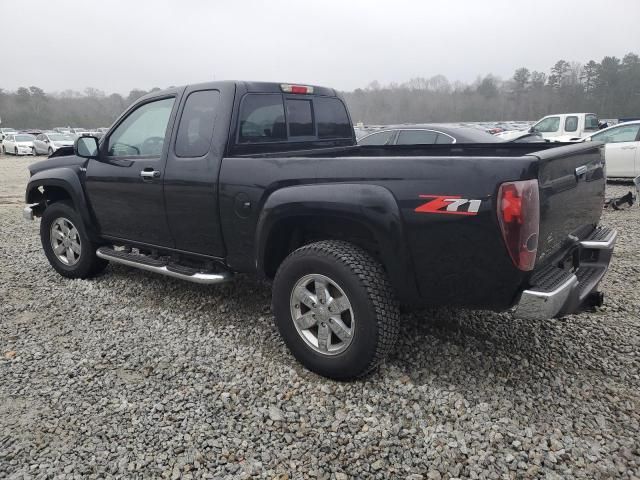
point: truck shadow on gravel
(432, 342)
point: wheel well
(292, 233)
(47, 194)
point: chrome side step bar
(158, 266)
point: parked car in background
(426, 134)
(79, 132)
(6, 131)
(622, 148)
(562, 127)
(97, 132)
(18, 144)
(439, 134)
(47, 143)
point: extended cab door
(193, 166)
(124, 184)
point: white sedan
(622, 149)
(18, 144)
(47, 143)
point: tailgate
(572, 184)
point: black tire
(369, 292)
(88, 264)
(15, 151)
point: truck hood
(57, 162)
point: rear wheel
(335, 309)
(15, 151)
(66, 244)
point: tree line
(610, 88)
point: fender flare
(371, 206)
(67, 179)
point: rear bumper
(557, 292)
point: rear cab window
(266, 118)
(262, 119)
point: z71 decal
(449, 204)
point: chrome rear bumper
(558, 292)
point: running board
(159, 266)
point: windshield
(59, 137)
(24, 138)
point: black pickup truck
(202, 181)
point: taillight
(285, 87)
(519, 218)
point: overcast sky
(118, 45)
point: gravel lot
(133, 375)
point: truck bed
(441, 246)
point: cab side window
(417, 137)
(571, 124)
(380, 138)
(591, 122)
(623, 133)
(196, 124)
(548, 125)
(143, 133)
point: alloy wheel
(65, 241)
(322, 314)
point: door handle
(630, 147)
(149, 174)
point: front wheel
(66, 244)
(335, 309)
(50, 151)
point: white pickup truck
(562, 127)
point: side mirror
(86, 147)
(532, 130)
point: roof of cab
(247, 86)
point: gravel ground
(132, 375)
